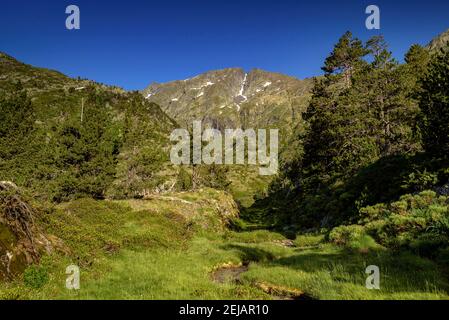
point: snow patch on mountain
(242, 88)
(207, 84)
(152, 93)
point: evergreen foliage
(434, 104)
(362, 139)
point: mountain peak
(5, 57)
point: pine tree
(332, 123)
(383, 90)
(417, 59)
(434, 105)
(345, 57)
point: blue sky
(133, 43)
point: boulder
(21, 241)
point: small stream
(232, 274)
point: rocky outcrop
(439, 42)
(21, 241)
(208, 209)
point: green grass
(257, 236)
(140, 253)
(334, 273)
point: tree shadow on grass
(399, 271)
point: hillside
(63, 137)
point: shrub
(343, 235)
(35, 276)
(417, 222)
(352, 237)
(420, 180)
(184, 180)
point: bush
(184, 180)
(35, 277)
(343, 235)
(420, 180)
(353, 237)
(384, 181)
(416, 222)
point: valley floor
(127, 250)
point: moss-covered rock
(21, 241)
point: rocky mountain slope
(439, 42)
(231, 98)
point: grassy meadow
(157, 249)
